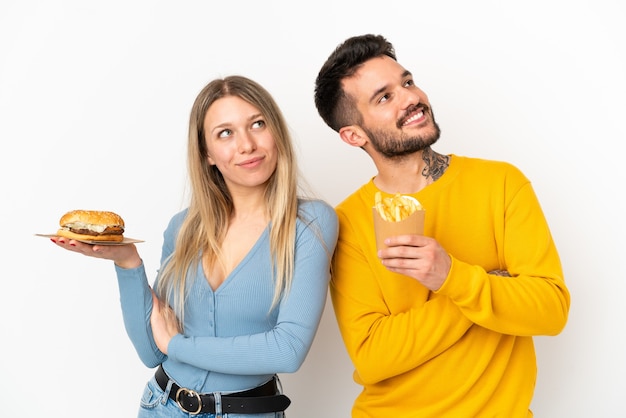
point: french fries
(396, 208)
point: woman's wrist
(128, 264)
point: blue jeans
(155, 403)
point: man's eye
(383, 98)
(409, 83)
(225, 133)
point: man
(438, 325)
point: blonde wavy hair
(211, 205)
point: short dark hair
(332, 102)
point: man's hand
(417, 256)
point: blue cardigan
(232, 341)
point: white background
(94, 102)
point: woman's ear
(210, 160)
(353, 135)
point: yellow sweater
(466, 350)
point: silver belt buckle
(192, 394)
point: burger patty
(113, 230)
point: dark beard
(391, 147)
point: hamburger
(92, 225)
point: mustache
(425, 108)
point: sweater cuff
(174, 346)
(448, 286)
(126, 277)
(463, 283)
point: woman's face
(239, 143)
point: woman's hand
(164, 323)
(125, 256)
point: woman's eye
(225, 133)
(258, 124)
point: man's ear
(353, 135)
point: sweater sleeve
(382, 339)
(136, 301)
(535, 300)
(284, 347)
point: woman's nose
(246, 142)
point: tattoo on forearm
(436, 164)
(503, 273)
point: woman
(244, 269)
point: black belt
(262, 399)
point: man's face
(397, 116)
